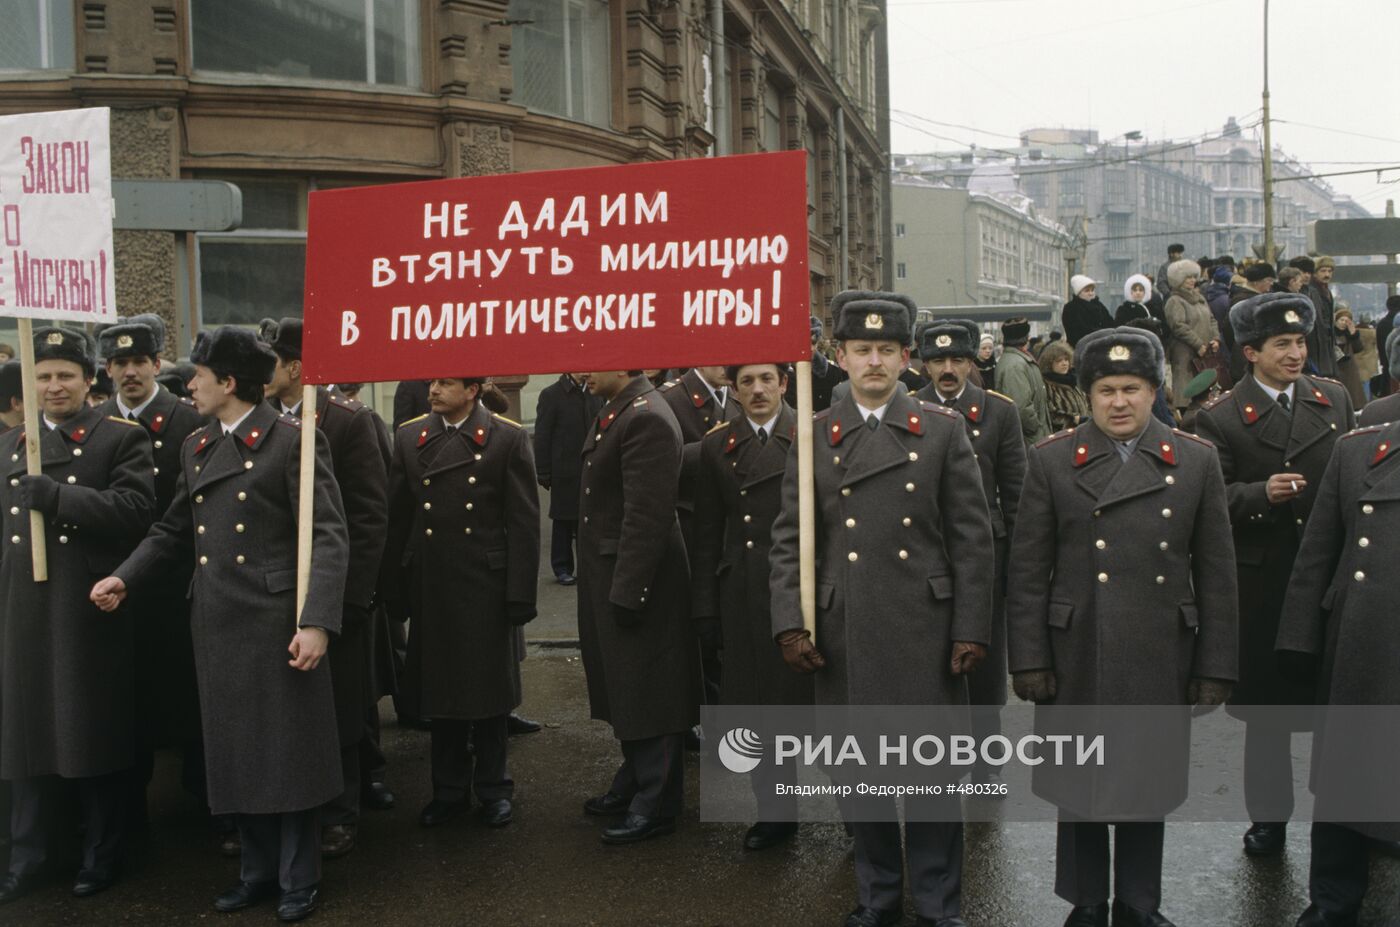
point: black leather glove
(38, 492)
(708, 630)
(1297, 666)
(520, 613)
(1207, 692)
(1034, 685)
(626, 617)
(799, 652)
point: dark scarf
(1064, 379)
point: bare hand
(1214, 345)
(967, 657)
(307, 648)
(1284, 486)
(108, 593)
(1201, 351)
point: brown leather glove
(1034, 685)
(1202, 691)
(799, 652)
(967, 657)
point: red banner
(664, 264)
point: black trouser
(1268, 772)
(1082, 862)
(283, 848)
(372, 762)
(103, 803)
(344, 809)
(1338, 871)
(934, 850)
(561, 546)
(652, 775)
(470, 753)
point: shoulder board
(938, 407)
(1326, 379)
(1197, 438)
(414, 421)
(819, 415)
(185, 400)
(1055, 437)
(114, 418)
(719, 427)
(509, 421)
(1216, 401)
(289, 421)
(197, 431)
(669, 384)
(1368, 430)
(1001, 396)
(339, 400)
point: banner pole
(306, 509)
(32, 446)
(806, 501)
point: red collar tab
(203, 442)
(77, 435)
(478, 436)
(732, 443)
(423, 436)
(834, 434)
(1081, 454)
(974, 413)
(1382, 451)
(1321, 397)
(1168, 453)
(916, 423)
(698, 399)
(251, 438)
(607, 420)
(1250, 413)
(158, 424)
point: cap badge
(55, 338)
(943, 341)
(124, 341)
(1291, 317)
(875, 321)
(1119, 352)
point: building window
(259, 270)
(560, 57)
(773, 118)
(900, 271)
(899, 230)
(38, 35)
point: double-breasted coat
(562, 421)
(1254, 439)
(1124, 584)
(904, 554)
(66, 669)
(1340, 607)
(464, 545)
(994, 428)
(643, 677)
(270, 741)
(696, 412)
(351, 434)
(739, 494)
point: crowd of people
(1183, 494)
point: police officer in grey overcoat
(905, 566)
(948, 349)
(738, 495)
(1338, 635)
(638, 642)
(1274, 433)
(66, 671)
(464, 549)
(1124, 594)
(264, 686)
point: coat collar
(633, 393)
(867, 452)
(1383, 464)
(697, 389)
(755, 462)
(972, 403)
(1097, 469)
(155, 416)
(904, 413)
(441, 448)
(219, 456)
(56, 445)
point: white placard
(56, 216)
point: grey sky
(1169, 70)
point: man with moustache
(1274, 433)
(905, 566)
(738, 495)
(948, 349)
(635, 632)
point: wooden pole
(306, 503)
(32, 446)
(806, 501)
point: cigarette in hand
(1293, 485)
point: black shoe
(873, 917)
(1265, 839)
(1125, 915)
(954, 921)
(496, 813)
(293, 906)
(566, 579)
(337, 840)
(377, 796)
(1316, 917)
(638, 827)
(518, 725)
(15, 886)
(606, 804)
(438, 812)
(1088, 915)
(90, 882)
(767, 834)
(244, 895)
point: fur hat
(1259, 318)
(948, 338)
(1325, 261)
(1015, 331)
(52, 343)
(1305, 264)
(11, 383)
(1260, 270)
(873, 316)
(284, 337)
(1392, 353)
(1079, 282)
(1123, 351)
(137, 335)
(235, 352)
(1178, 271)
